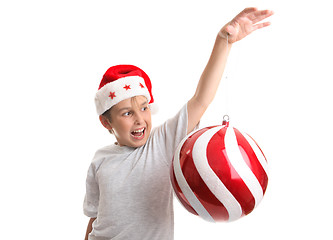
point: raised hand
(245, 23)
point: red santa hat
(119, 83)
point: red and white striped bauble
(219, 173)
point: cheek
(148, 116)
(122, 126)
(149, 119)
(149, 125)
(118, 132)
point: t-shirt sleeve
(169, 134)
(91, 200)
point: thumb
(225, 31)
(229, 31)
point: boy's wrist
(224, 38)
(223, 34)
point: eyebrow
(144, 103)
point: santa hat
(119, 83)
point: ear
(105, 122)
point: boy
(129, 195)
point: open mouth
(138, 134)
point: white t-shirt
(129, 189)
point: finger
(261, 25)
(260, 15)
(246, 11)
(249, 10)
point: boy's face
(130, 121)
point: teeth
(139, 131)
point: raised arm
(242, 25)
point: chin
(141, 143)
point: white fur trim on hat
(123, 88)
(153, 108)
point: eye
(127, 114)
(144, 108)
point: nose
(138, 118)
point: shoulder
(172, 129)
(108, 153)
(102, 153)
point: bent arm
(89, 227)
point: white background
(54, 53)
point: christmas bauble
(219, 173)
